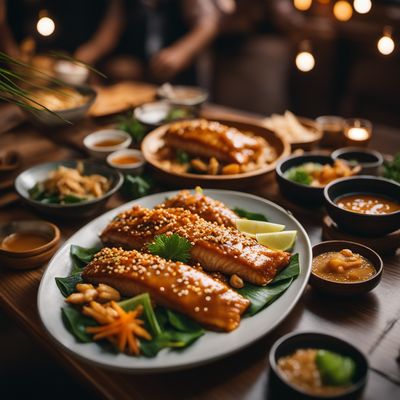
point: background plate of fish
(213, 345)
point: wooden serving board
(383, 245)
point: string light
(45, 25)
(362, 6)
(342, 10)
(385, 43)
(302, 5)
(305, 61)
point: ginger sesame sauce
(368, 204)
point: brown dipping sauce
(124, 160)
(368, 204)
(23, 241)
(108, 142)
(343, 266)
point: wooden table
(371, 322)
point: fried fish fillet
(208, 139)
(170, 284)
(215, 247)
(207, 208)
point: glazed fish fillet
(170, 284)
(216, 248)
(207, 208)
(208, 139)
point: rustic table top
(371, 322)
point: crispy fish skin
(209, 209)
(171, 284)
(208, 139)
(215, 247)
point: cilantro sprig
(171, 247)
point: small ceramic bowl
(30, 258)
(298, 193)
(160, 112)
(45, 229)
(362, 224)
(369, 160)
(183, 95)
(92, 142)
(71, 72)
(309, 144)
(120, 160)
(281, 388)
(347, 288)
(27, 179)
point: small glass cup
(357, 132)
(332, 128)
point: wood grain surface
(371, 322)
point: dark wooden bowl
(362, 224)
(281, 389)
(154, 141)
(304, 195)
(347, 288)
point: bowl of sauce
(27, 244)
(311, 365)
(344, 268)
(128, 161)
(364, 205)
(101, 143)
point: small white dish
(120, 160)
(70, 72)
(101, 143)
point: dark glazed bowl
(369, 160)
(362, 224)
(347, 288)
(302, 194)
(27, 179)
(288, 344)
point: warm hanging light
(45, 25)
(385, 43)
(302, 5)
(362, 6)
(305, 61)
(343, 10)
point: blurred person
(163, 38)
(86, 29)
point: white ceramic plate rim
(212, 345)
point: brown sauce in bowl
(23, 241)
(108, 142)
(344, 266)
(124, 160)
(368, 204)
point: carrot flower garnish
(120, 327)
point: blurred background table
(370, 322)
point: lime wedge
(251, 228)
(277, 240)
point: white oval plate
(209, 347)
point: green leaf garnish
(250, 215)
(335, 369)
(262, 296)
(77, 323)
(299, 175)
(171, 247)
(67, 285)
(137, 186)
(177, 113)
(132, 126)
(182, 157)
(392, 169)
(81, 256)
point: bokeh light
(45, 26)
(362, 6)
(342, 10)
(302, 5)
(305, 61)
